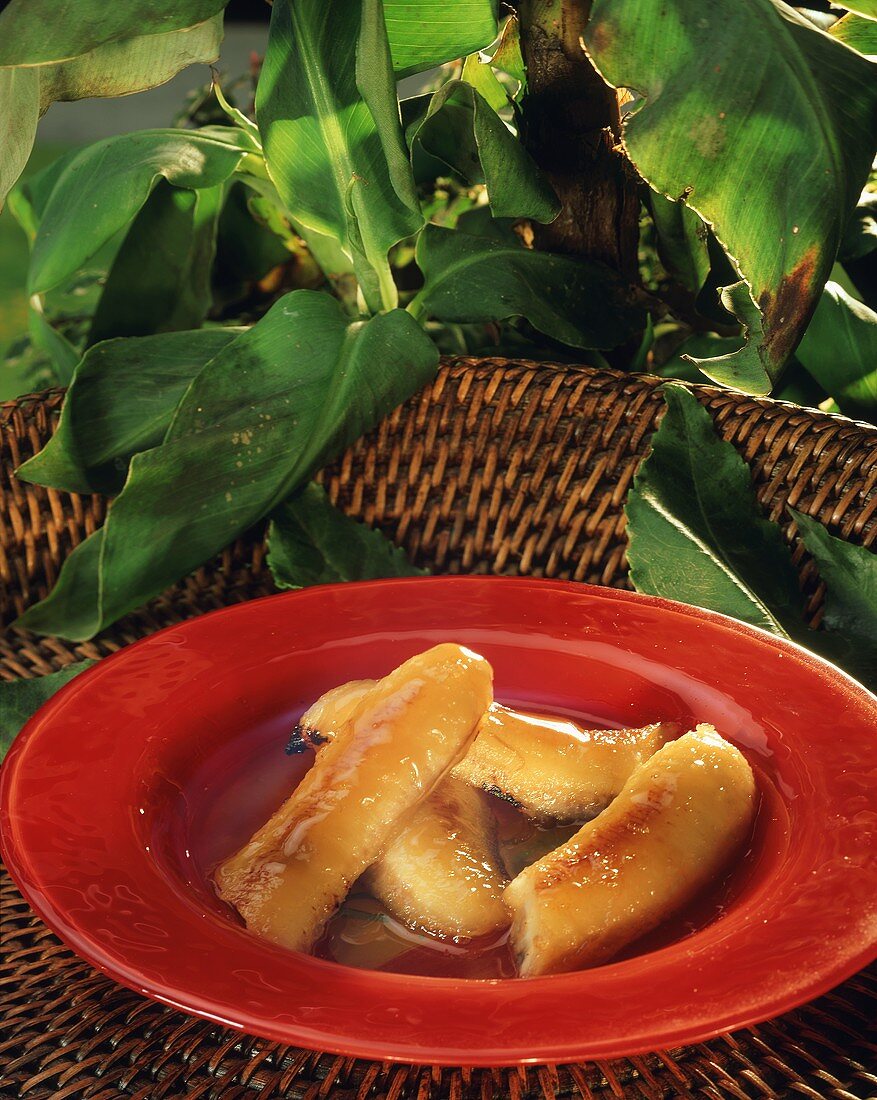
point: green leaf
(325, 250)
(160, 278)
(116, 68)
(133, 65)
(695, 530)
(377, 86)
(860, 235)
(868, 8)
(696, 535)
(682, 242)
(479, 73)
(857, 33)
(720, 368)
(840, 350)
(850, 575)
(19, 114)
(62, 353)
(446, 133)
(43, 32)
(463, 131)
(766, 127)
(796, 384)
(311, 542)
(325, 147)
(121, 401)
(234, 115)
(314, 382)
(469, 278)
(478, 222)
(426, 33)
(27, 200)
(21, 699)
(71, 609)
(507, 56)
(697, 348)
(103, 186)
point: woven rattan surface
(498, 467)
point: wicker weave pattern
(504, 467)
(71, 1033)
(498, 467)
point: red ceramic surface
(134, 777)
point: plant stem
(388, 289)
(416, 307)
(253, 164)
(572, 127)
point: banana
(322, 720)
(400, 740)
(445, 873)
(551, 769)
(677, 821)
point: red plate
(123, 785)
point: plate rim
(407, 1050)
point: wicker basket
(499, 466)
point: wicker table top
(498, 467)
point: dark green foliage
(236, 303)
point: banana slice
(679, 818)
(445, 874)
(323, 719)
(551, 769)
(401, 739)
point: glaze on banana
(551, 769)
(445, 873)
(399, 742)
(322, 720)
(678, 820)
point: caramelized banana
(445, 873)
(554, 770)
(551, 769)
(678, 820)
(322, 720)
(400, 740)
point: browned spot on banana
(676, 823)
(552, 769)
